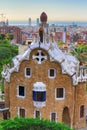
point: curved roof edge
(69, 63)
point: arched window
(81, 111)
(66, 116)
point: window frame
(51, 77)
(60, 98)
(39, 95)
(19, 111)
(28, 76)
(35, 114)
(56, 118)
(20, 96)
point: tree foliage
(60, 43)
(80, 52)
(7, 52)
(9, 36)
(2, 36)
(31, 124)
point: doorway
(66, 116)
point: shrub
(31, 124)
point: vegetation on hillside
(31, 124)
(7, 52)
(8, 36)
(80, 52)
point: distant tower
(7, 22)
(29, 21)
(2, 20)
(37, 21)
(64, 35)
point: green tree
(7, 52)
(2, 36)
(60, 43)
(9, 36)
(80, 52)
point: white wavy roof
(69, 63)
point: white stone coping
(68, 63)
(39, 86)
(3, 109)
(39, 104)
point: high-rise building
(37, 21)
(64, 35)
(29, 21)
(7, 22)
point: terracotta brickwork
(75, 96)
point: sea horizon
(59, 23)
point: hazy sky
(73, 10)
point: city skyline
(57, 10)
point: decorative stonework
(39, 86)
(69, 63)
(39, 104)
(39, 57)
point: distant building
(29, 21)
(16, 31)
(64, 35)
(59, 36)
(2, 24)
(82, 38)
(37, 21)
(7, 22)
(2, 20)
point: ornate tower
(43, 31)
(43, 18)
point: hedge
(31, 124)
